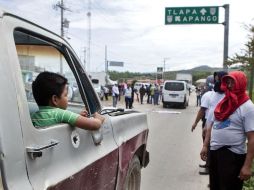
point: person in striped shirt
(50, 91)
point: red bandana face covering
(234, 97)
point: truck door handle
(36, 151)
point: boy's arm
(90, 123)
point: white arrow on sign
(203, 11)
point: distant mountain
(202, 68)
(197, 72)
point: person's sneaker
(203, 171)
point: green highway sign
(159, 69)
(192, 15)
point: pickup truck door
(59, 156)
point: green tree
(246, 58)
(200, 75)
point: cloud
(134, 31)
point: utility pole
(62, 12)
(64, 21)
(106, 60)
(226, 31)
(64, 24)
(164, 66)
(89, 36)
(106, 63)
(84, 64)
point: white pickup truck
(60, 156)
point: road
(174, 149)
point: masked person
(232, 124)
(202, 114)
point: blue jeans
(128, 102)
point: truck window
(174, 86)
(37, 55)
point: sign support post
(226, 31)
(200, 15)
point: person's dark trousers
(224, 169)
(119, 97)
(106, 96)
(203, 125)
(128, 103)
(131, 102)
(141, 98)
(148, 98)
(198, 100)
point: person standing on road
(148, 93)
(152, 94)
(230, 163)
(214, 99)
(128, 99)
(156, 94)
(205, 103)
(160, 97)
(198, 94)
(203, 113)
(132, 95)
(106, 91)
(142, 92)
(115, 94)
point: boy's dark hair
(46, 85)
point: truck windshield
(174, 86)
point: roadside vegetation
(245, 59)
(249, 185)
(168, 75)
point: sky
(135, 33)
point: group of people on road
(228, 117)
(128, 93)
(151, 92)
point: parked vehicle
(138, 85)
(184, 77)
(175, 93)
(60, 156)
(98, 88)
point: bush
(249, 185)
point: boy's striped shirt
(47, 116)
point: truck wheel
(133, 177)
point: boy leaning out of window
(50, 92)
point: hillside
(203, 68)
(197, 73)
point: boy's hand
(99, 117)
(84, 113)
